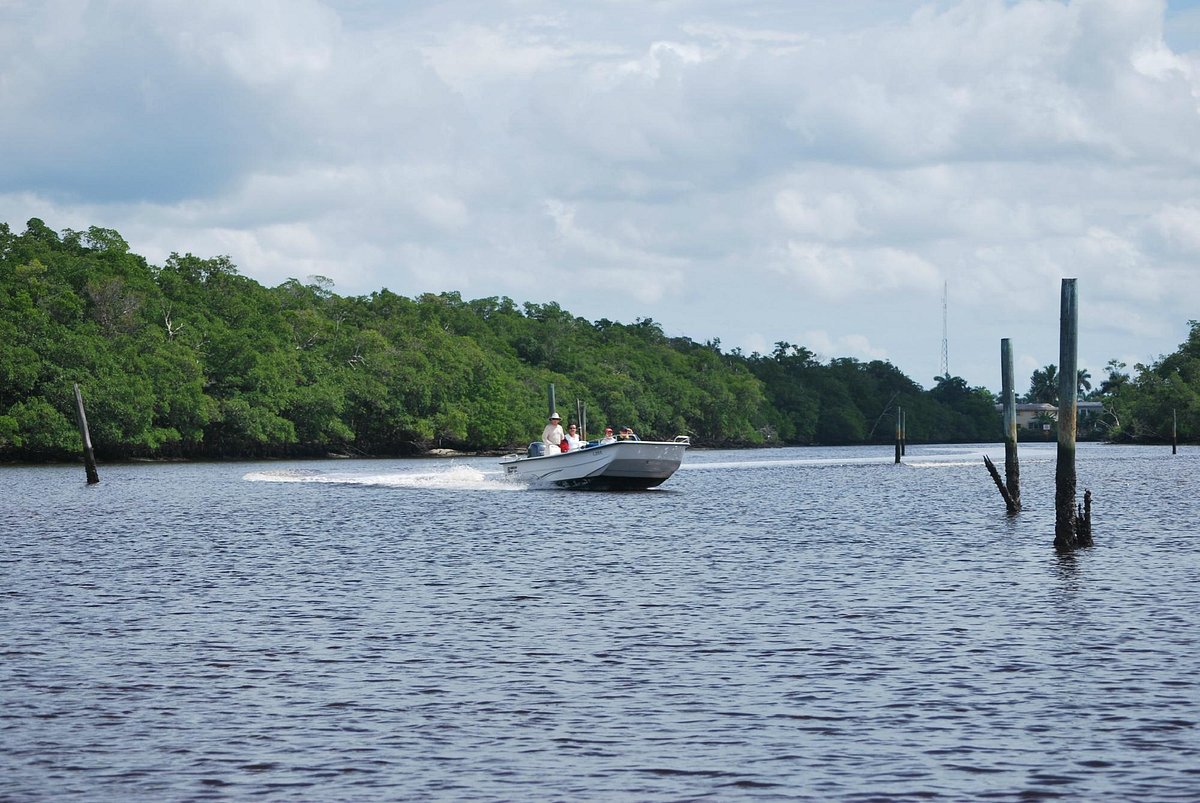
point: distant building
(1043, 416)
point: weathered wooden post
(899, 413)
(1084, 520)
(89, 458)
(1174, 432)
(1066, 530)
(1009, 488)
(1012, 468)
(1009, 502)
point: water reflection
(1067, 570)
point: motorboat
(619, 465)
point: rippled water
(793, 624)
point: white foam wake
(457, 478)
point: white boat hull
(624, 465)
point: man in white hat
(552, 435)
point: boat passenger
(552, 435)
(573, 437)
(626, 434)
(608, 436)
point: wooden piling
(1174, 432)
(903, 432)
(1065, 519)
(1012, 468)
(1009, 502)
(898, 414)
(1084, 520)
(89, 458)
(553, 406)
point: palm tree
(1043, 385)
(1117, 379)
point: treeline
(192, 359)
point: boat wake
(453, 478)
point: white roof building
(1040, 415)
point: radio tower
(945, 337)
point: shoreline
(446, 453)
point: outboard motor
(536, 449)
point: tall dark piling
(1066, 529)
(1012, 468)
(1174, 432)
(89, 458)
(903, 433)
(899, 414)
(550, 398)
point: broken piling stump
(89, 457)
(1009, 502)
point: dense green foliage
(1162, 396)
(847, 401)
(192, 359)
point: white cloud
(842, 273)
(1178, 226)
(475, 57)
(832, 217)
(827, 346)
(602, 261)
(264, 43)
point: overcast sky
(810, 172)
